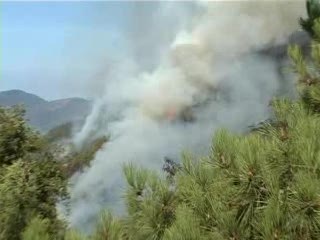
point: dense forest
(262, 185)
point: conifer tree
(313, 10)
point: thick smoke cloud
(210, 76)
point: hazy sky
(61, 49)
(47, 47)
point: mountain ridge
(43, 114)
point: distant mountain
(13, 97)
(45, 115)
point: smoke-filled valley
(191, 69)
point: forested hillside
(262, 185)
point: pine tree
(108, 228)
(74, 235)
(313, 10)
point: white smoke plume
(211, 77)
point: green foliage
(187, 227)
(74, 158)
(63, 131)
(28, 188)
(31, 181)
(313, 10)
(150, 202)
(108, 228)
(37, 229)
(308, 71)
(299, 64)
(74, 235)
(17, 139)
(78, 159)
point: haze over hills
(43, 114)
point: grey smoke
(211, 66)
(152, 27)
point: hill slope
(13, 97)
(44, 115)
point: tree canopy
(31, 181)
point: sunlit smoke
(210, 77)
